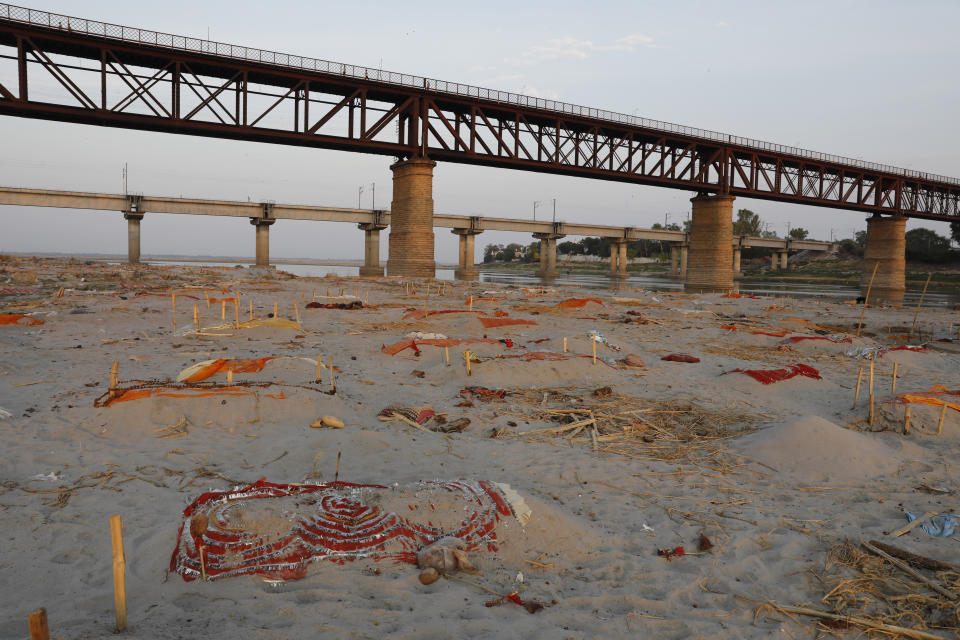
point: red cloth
(768, 376)
(680, 357)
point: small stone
(429, 576)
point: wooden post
(223, 311)
(471, 302)
(336, 472)
(446, 352)
(872, 359)
(196, 317)
(333, 387)
(114, 379)
(866, 300)
(229, 375)
(913, 327)
(319, 369)
(906, 420)
(856, 395)
(39, 630)
(466, 356)
(173, 300)
(893, 384)
(564, 344)
(366, 298)
(251, 309)
(943, 414)
(296, 312)
(871, 410)
(119, 569)
(236, 310)
(593, 339)
(276, 304)
(206, 297)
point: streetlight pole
(536, 203)
(554, 210)
(666, 217)
(373, 191)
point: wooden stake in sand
(114, 378)
(236, 310)
(333, 387)
(564, 344)
(296, 312)
(319, 369)
(206, 297)
(251, 309)
(119, 572)
(336, 472)
(871, 410)
(872, 359)
(196, 317)
(173, 301)
(276, 305)
(913, 327)
(223, 311)
(893, 384)
(594, 341)
(366, 298)
(471, 303)
(39, 630)
(856, 395)
(943, 414)
(906, 420)
(229, 375)
(446, 353)
(866, 300)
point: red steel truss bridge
(59, 67)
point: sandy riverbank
(774, 476)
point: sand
(772, 474)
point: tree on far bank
(955, 231)
(798, 233)
(927, 245)
(747, 224)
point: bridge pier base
(371, 249)
(781, 260)
(618, 258)
(263, 241)
(711, 245)
(736, 261)
(548, 254)
(133, 236)
(885, 251)
(411, 220)
(466, 269)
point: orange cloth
(224, 365)
(15, 318)
(576, 303)
(397, 347)
(489, 323)
(164, 392)
(934, 397)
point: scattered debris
(680, 357)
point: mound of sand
(812, 449)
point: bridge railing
(199, 45)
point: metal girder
(150, 86)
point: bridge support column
(618, 258)
(736, 261)
(780, 259)
(548, 254)
(674, 260)
(684, 256)
(411, 220)
(466, 269)
(263, 241)
(371, 249)
(886, 250)
(711, 245)
(133, 236)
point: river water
(942, 298)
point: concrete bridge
(263, 214)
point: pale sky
(865, 79)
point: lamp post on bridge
(537, 203)
(373, 192)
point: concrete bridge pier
(618, 258)
(678, 259)
(548, 254)
(133, 236)
(885, 250)
(736, 260)
(466, 269)
(371, 249)
(781, 260)
(711, 245)
(411, 220)
(263, 240)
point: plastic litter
(939, 526)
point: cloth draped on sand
(937, 396)
(489, 323)
(19, 318)
(576, 303)
(209, 368)
(768, 376)
(397, 347)
(276, 530)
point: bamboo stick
(467, 357)
(318, 379)
(333, 388)
(943, 414)
(336, 472)
(871, 410)
(203, 565)
(906, 420)
(229, 375)
(856, 395)
(276, 305)
(173, 300)
(206, 296)
(196, 317)
(223, 310)
(114, 378)
(903, 566)
(893, 384)
(446, 353)
(872, 360)
(471, 303)
(564, 344)
(866, 300)
(913, 327)
(236, 310)
(119, 572)
(39, 630)
(296, 312)
(594, 341)
(251, 309)
(863, 622)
